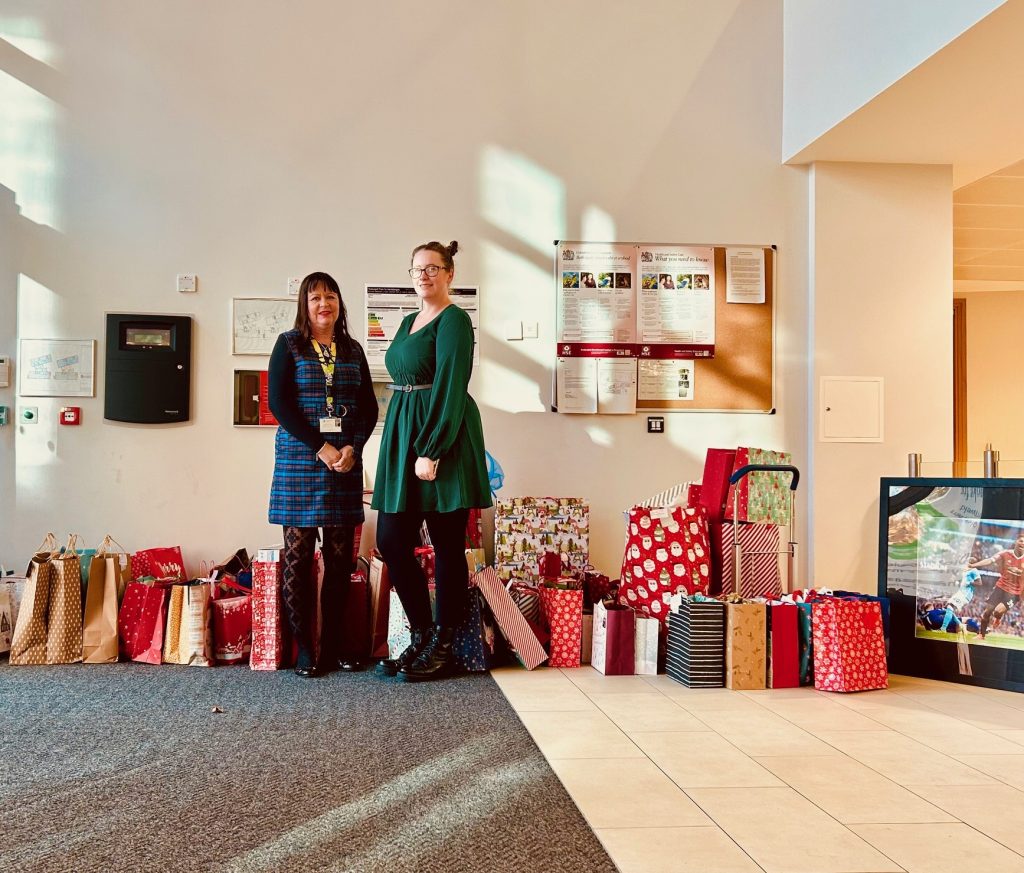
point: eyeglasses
(431, 270)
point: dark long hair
(342, 340)
(447, 252)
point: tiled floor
(923, 776)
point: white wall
(994, 412)
(248, 142)
(881, 278)
(841, 54)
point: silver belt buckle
(407, 389)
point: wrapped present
(141, 620)
(696, 643)
(425, 556)
(849, 646)
(268, 632)
(527, 527)
(596, 587)
(563, 612)
(760, 572)
(783, 645)
(614, 638)
(667, 551)
(745, 646)
(764, 497)
(160, 563)
(477, 645)
(509, 619)
(475, 560)
(645, 649)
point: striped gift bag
(510, 620)
(761, 576)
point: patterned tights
(298, 588)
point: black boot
(391, 666)
(436, 661)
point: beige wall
(248, 142)
(994, 411)
(881, 280)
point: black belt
(406, 389)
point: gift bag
(355, 617)
(380, 598)
(509, 619)
(161, 563)
(108, 575)
(527, 527)
(141, 620)
(14, 589)
(760, 572)
(477, 645)
(195, 644)
(6, 618)
(645, 649)
(667, 551)
(696, 643)
(425, 557)
(849, 647)
(28, 642)
(268, 632)
(399, 633)
(612, 650)
(232, 623)
(563, 612)
(714, 488)
(783, 645)
(806, 639)
(764, 497)
(475, 529)
(596, 587)
(745, 646)
(64, 621)
(587, 637)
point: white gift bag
(645, 650)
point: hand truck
(737, 548)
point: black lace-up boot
(436, 661)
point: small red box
(70, 415)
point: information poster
(665, 380)
(597, 303)
(387, 305)
(744, 275)
(677, 295)
(606, 386)
(57, 368)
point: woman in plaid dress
(322, 396)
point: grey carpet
(126, 767)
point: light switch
(530, 330)
(294, 284)
(513, 330)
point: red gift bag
(355, 618)
(425, 556)
(161, 563)
(475, 530)
(714, 489)
(563, 611)
(268, 633)
(783, 645)
(232, 623)
(667, 551)
(849, 645)
(613, 649)
(141, 619)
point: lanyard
(326, 357)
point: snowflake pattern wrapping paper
(563, 610)
(849, 647)
(667, 551)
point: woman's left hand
(347, 460)
(426, 469)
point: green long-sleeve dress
(441, 422)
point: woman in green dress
(432, 465)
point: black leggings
(298, 587)
(398, 535)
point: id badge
(330, 425)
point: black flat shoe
(307, 672)
(351, 665)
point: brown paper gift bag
(28, 645)
(64, 622)
(188, 639)
(109, 570)
(745, 646)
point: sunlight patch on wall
(521, 198)
(597, 225)
(37, 309)
(28, 150)
(26, 35)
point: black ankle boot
(391, 666)
(436, 661)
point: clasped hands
(426, 469)
(340, 460)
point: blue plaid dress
(304, 492)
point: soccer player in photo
(1010, 563)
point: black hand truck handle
(767, 468)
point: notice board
(694, 345)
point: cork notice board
(735, 374)
(740, 377)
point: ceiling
(988, 232)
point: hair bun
(453, 247)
